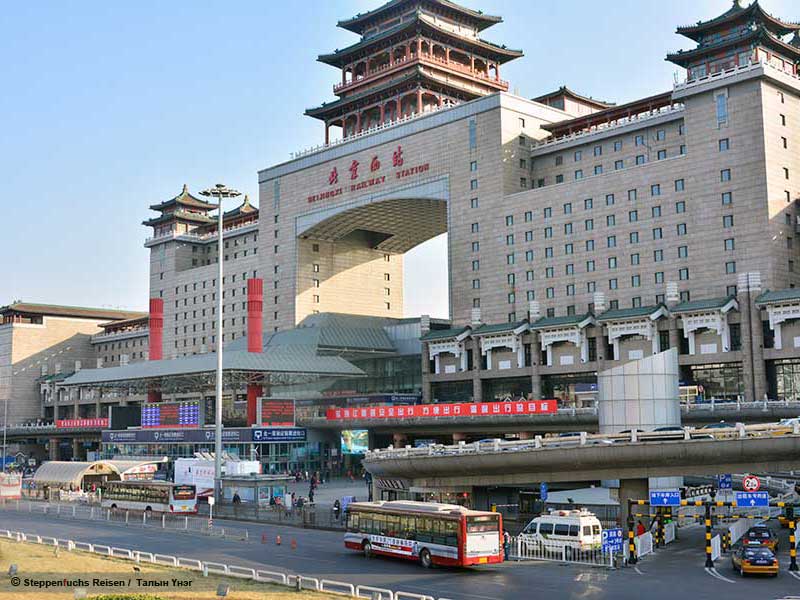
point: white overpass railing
(738, 431)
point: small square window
(724, 145)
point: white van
(559, 529)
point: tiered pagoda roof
(364, 21)
(739, 29)
(184, 199)
(752, 13)
(427, 47)
(339, 58)
(183, 207)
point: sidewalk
(326, 493)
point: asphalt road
(674, 573)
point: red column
(255, 331)
(419, 101)
(255, 314)
(383, 112)
(327, 134)
(358, 122)
(156, 339)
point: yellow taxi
(748, 560)
(760, 536)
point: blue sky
(108, 107)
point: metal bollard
(163, 521)
(126, 517)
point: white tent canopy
(59, 473)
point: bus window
(450, 530)
(424, 533)
(587, 530)
(482, 524)
(561, 529)
(545, 528)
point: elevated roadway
(592, 457)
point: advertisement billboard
(355, 441)
(276, 413)
(171, 414)
(440, 411)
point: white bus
(150, 496)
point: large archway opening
(378, 256)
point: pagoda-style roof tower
(183, 213)
(187, 214)
(414, 56)
(738, 36)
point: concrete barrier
(165, 559)
(214, 567)
(337, 587)
(367, 591)
(190, 563)
(271, 577)
(241, 572)
(122, 553)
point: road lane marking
(714, 573)
(637, 570)
(794, 574)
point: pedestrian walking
(640, 528)
(337, 507)
(506, 545)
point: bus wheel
(425, 558)
(367, 549)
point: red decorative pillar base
(253, 392)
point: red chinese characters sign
(361, 178)
(76, 423)
(463, 409)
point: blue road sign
(724, 482)
(665, 498)
(543, 491)
(752, 499)
(612, 540)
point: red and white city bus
(433, 534)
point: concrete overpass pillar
(753, 372)
(77, 449)
(399, 440)
(536, 377)
(53, 449)
(426, 371)
(631, 489)
(477, 384)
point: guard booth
(251, 495)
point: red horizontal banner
(462, 409)
(73, 423)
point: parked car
(760, 536)
(746, 560)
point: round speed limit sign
(751, 483)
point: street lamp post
(219, 192)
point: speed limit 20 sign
(751, 483)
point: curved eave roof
(287, 360)
(736, 12)
(360, 22)
(183, 199)
(320, 112)
(761, 34)
(178, 216)
(341, 57)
